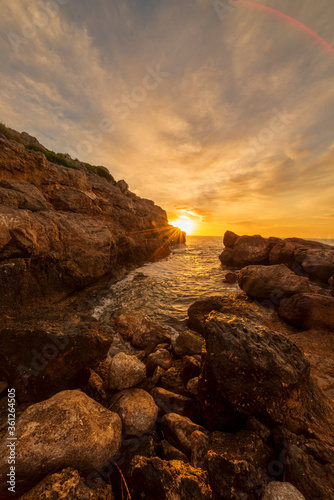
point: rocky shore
(238, 407)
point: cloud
(186, 143)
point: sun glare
(186, 225)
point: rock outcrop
(305, 257)
(249, 370)
(63, 227)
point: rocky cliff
(66, 226)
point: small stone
(178, 431)
(137, 410)
(192, 386)
(141, 331)
(188, 343)
(125, 371)
(169, 452)
(190, 368)
(231, 278)
(169, 402)
(158, 358)
(279, 491)
(199, 450)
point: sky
(219, 111)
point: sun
(185, 224)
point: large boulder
(251, 250)
(236, 304)
(137, 410)
(141, 331)
(125, 371)
(160, 479)
(68, 484)
(49, 350)
(318, 264)
(70, 430)
(271, 282)
(306, 310)
(249, 370)
(230, 238)
(283, 251)
(236, 464)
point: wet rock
(169, 452)
(125, 371)
(199, 450)
(68, 484)
(160, 358)
(172, 379)
(271, 282)
(159, 479)
(141, 331)
(230, 278)
(250, 370)
(137, 410)
(237, 304)
(230, 238)
(188, 343)
(191, 368)
(50, 350)
(63, 430)
(192, 386)
(308, 464)
(169, 402)
(235, 464)
(277, 491)
(178, 431)
(308, 311)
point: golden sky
(219, 111)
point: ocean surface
(164, 290)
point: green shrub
(100, 171)
(53, 157)
(9, 133)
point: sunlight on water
(164, 290)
